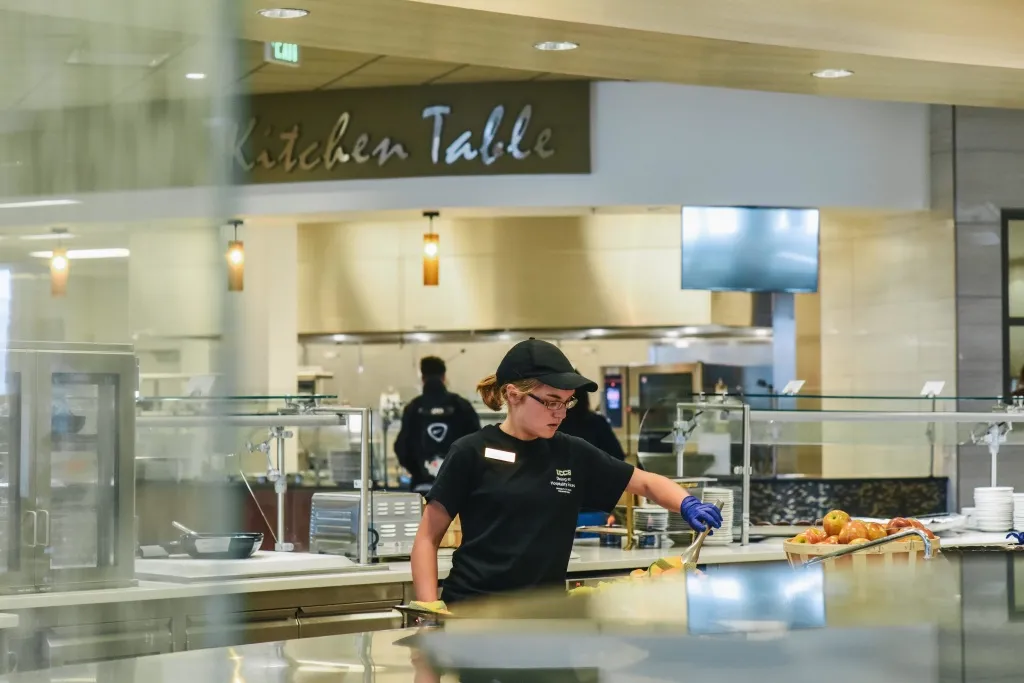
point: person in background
(580, 421)
(431, 423)
(1019, 389)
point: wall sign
(281, 53)
(477, 129)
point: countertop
(897, 655)
(591, 559)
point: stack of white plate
(724, 497)
(993, 508)
(650, 519)
(1018, 511)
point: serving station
(86, 584)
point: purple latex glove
(700, 515)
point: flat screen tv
(750, 249)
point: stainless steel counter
(960, 623)
(893, 655)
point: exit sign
(281, 53)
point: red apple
(899, 523)
(858, 541)
(815, 535)
(853, 530)
(875, 531)
(834, 522)
(831, 540)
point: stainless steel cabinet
(331, 620)
(240, 628)
(68, 645)
(67, 468)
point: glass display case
(870, 440)
(68, 471)
(192, 452)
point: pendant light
(236, 260)
(60, 266)
(431, 248)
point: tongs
(690, 555)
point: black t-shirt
(431, 423)
(518, 502)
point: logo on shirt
(437, 431)
(563, 481)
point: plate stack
(1018, 511)
(994, 508)
(679, 532)
(724, 497)
(650, 519)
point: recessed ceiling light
(38, 203)
(283, 13)
(832, 73)
(195, 76)
(556, 45)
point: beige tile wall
(888, 324)
(570, 271)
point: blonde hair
(495, 395)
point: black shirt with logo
(518, 502)
(431, 423)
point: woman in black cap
(519, 486)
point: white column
(264, 317)
(265, 312)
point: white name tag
(495, 454)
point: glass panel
(886, 443)
(1015, 270)
(1016, 352)
(10, 447)
(83, 471)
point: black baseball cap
(544, 362)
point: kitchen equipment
(67, 466)
(206, 546)
(394, 520)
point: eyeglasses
(555, 405)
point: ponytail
(490, 392)
(495, 395)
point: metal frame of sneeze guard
(295, 415)
(683, 428)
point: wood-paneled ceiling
(333, 69)
(943, 51)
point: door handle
(35, 528)
(46, 527)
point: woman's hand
(700, 515)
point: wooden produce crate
(898, 553)
(453, 537)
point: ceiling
(334, 69)
(47, 70)
(942, 51)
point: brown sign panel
(434, 130)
